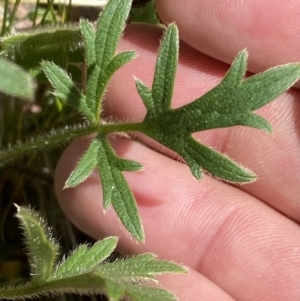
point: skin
(240, 242)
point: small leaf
(85, 166)
(85, 260)
(117, 62)
(65, 89)
(115, 291)
(144, 266)
(93, 71)
(143, 293)
(128, 165)
(109, 30)
(146, 95)
(88, 35)
(100, 50)
(116, 189)
(108, 33)
(235, 95)
(42, 248)
(15, 81)
(196, 154)
(163, 83)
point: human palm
(240, 242)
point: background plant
(84, 270)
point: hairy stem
(56, 287)
(56, 138)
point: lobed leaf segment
(86, 270)
(231, 103)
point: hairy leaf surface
(229, 104)
(65, 89)
(85, 166)
(83, 271)
(42, 248)
(116, 189)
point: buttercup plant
(229, 104)
(85, 270)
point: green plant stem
(35, 13)
(57, 138)
(13, 15)
(50, 3)
(49, 288)
(51, 10)
(5, 13)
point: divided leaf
(100, 49)
(114, 185)
(116, 189)
(83, 271)
(65, 89)
(228, 104)
(85, 260)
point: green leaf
(116, 189)
(65, 89)
(88, 35)
(144, 266)
(116, 63)
(143, 293)
(138, 270)
(42, 248)
(15, 81)
(93, 71)
(146, 95)
(115, 291)
(85, 260)
(100, 49)
(109, 30)
(163, 83)
(26, 47)
(85, 166)
(237, 95)
(108, 33)
(228, 104)
(83, 271)
(196, 154)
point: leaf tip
(17, 207)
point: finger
(231, 238)
(268, 29)
(274, 158)
(193, 286)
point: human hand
(241, 242)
